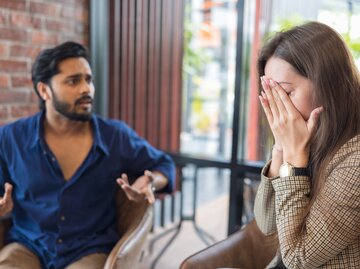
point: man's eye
(89, 80)
(73, 81)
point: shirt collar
(35, 140)
(39, 133)
(98, 139)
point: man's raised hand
(6, 202)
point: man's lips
(84, 101)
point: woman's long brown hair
(318, 53)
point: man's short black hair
(46, 64)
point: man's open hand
(6, 202)
(140, 190)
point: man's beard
(65, 108)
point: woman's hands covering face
(291, 132)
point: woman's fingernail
(266, 80)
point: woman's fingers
(286, 103)
(314, 118)
(269, 97)
(266, 108)
(279, 97)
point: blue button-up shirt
(63, 220)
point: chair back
(134, 223)
(247, 248)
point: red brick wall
(26, 27)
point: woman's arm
(264, 207)
(333, 222)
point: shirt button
(44, 152)
(62, 218)
(53, 159)
(60, 241)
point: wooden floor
(211, 217)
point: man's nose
(86, 87)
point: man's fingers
(150, 175)
(151, 198)
(131, 193)
(124, 177)
(8, 191)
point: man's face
(72, 89)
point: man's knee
(92, 261)
(17, 256)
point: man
(60, 169)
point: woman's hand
(289, 128)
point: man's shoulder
(20, 125)
(107, 124)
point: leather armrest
(134, 223)
(246, 248)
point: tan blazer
(331, 238)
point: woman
(310, 190)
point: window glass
(209, 64)
(268, 18)
(209, 77)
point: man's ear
(43, 90)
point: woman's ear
(43, 90)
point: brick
(44, 38)
(23, 110)
(59, 26)
(4, 81)
(4, 112)
(4, 50)
(24, 51)
(80, 14)
(82, 29)
(21, 81)
(72, 2)
(79, 39)
(13, 96)
(25, 20)
(13, 66)
(3, 122)
(13, 4)
(4, 17)
(14, 34)
(34, 98)
(49, 8)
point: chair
(135, 222)
(247, 248)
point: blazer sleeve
(264, 207)
(332, 224)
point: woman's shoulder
(348, 154)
